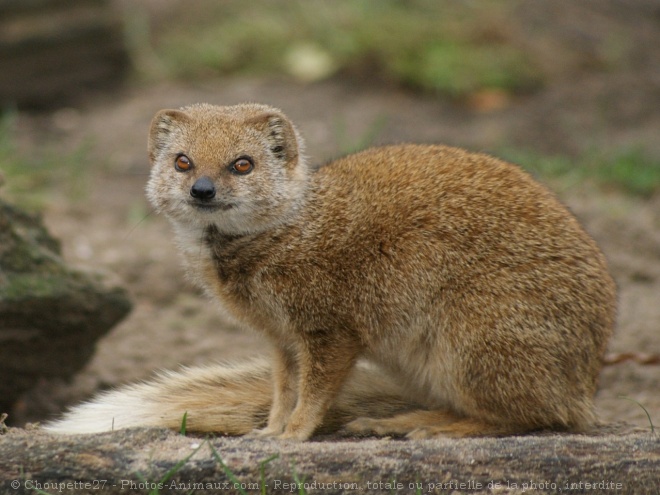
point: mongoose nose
(203, 188)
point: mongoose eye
(242, 166)
(182, 163)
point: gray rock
(50, 315)
(160, 461)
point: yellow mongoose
(482, 305)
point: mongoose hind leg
(427, 424)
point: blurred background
(569, 90)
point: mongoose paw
(424, 432)
(459, 429)
(293, 436)
(366, 426)
(278, 434)
(266, 432)
(411, 428)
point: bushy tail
(224, 399)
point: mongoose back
(455, 274)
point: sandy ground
(109, 226)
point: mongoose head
(239, 168)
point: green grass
(458, 67)
(170, 472)
(631, 170)
(184, 423)
(28, 175)
(232, 477)
(262, 471)
(300, 482)
(348, 143)
(237, 485)
(454, 48)
(648, 416)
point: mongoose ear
(282, 136)
(162, 126)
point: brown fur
(228, 400)
(456, 272)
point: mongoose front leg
(285, 392)
(323, 368)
